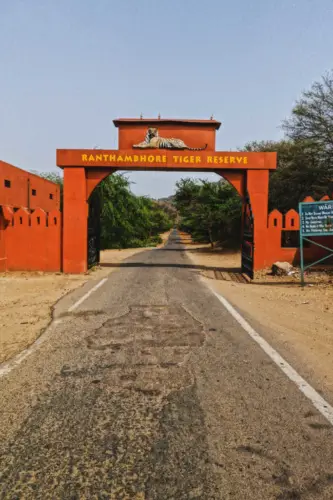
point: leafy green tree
(312, 118)
(300, 172)
(305, 156)
(129, 221)
(209, 211)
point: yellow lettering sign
(159, 159)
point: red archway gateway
(146, 144)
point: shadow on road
(181, 266)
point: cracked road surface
(151, 390)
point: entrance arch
(192, 150)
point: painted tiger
(154, 141)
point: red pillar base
(257, 187)
(75, 231)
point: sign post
(316, 220)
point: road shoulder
(28, 300)
(296, 322)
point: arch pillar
(75, 231)
(95, 176)
(79, 183)
(257, 183)
(236, 178)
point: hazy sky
(68, 67)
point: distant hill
(168, 205)
(168, 199)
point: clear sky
(68, 67)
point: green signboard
(316, 219)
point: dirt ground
(26, 300)
(297, 321)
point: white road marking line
(318, 402)
(8, 366)
(82, 299)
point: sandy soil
(297, 322)
(26, 300)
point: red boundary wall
(19, 188)
(30, 221)
(30, 240)
(277, 223)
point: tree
(305, 157)
(311, 124)
(209, 211)
(300, 172)
(128, 220)
(51, 176)
(312, 118)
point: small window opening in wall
(275, 222)
(292, 222)
(38, 220)
(7, 183)
(33, 192)
(51, 196)
(21, 220)
(55, 221)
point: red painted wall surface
(195, 133)
(2, 244)
(290, 222)
(30, 238)
(165, 160)
(30, 241)
(27, 190)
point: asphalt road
(151, 390)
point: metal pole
(301, 244)
(302, 259)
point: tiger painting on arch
(154, 141)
